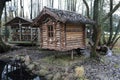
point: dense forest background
(31, 8)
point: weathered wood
(72, 54)
(65, 36)
(63, 40)
(21, 30)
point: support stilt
(72, 54)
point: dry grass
(116, 48)
(117, 45)
(62, 60)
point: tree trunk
(6, 30)
(111, 24)
(86, 4)
(59, 5)
(96, 29)
(31, 10)
(3, 47)
(2, 4)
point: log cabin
(61, 30)
(21, 31)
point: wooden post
(60, 34)
(72, 54)
(31, 35)
(11, 35)
(40, 36)
(20, 30)
(65, 36)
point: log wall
(75, 36)
(65, 37)
(57, 41)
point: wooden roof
(62, 16)
(17, 21)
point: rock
(57, 76)
(70, 76)
(109, 52)
(79, 71)
(49, 76)
(27, 60)
(36, 63)
(43, 72)
(44, 67)
(31, 66)
(102, 77)
(17, 57)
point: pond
(8, 71)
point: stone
(109, 52)
(36, 63)
(49, 76)
(44, 67)
(57, 76)
(27, 60)
(43, 72)
(31, 66)
(102, 77)
(70, 76)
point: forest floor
(108, 68)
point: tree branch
(114, 42)
(116, 32)
(111, 24)
(87, 7)
(111, 12)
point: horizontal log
(67, 47)
(74, 39)
(74, 34)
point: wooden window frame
(50, 31)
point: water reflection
(11, 72)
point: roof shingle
(64, 16)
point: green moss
(116, 66)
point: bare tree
(31, 10)
(6, 36)
(111, 23)
(3, 46)
(50, 3)
(22, 8)
(88, 15)
(97, 27)
(15, 6)
(59, 5)
(71, 5)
